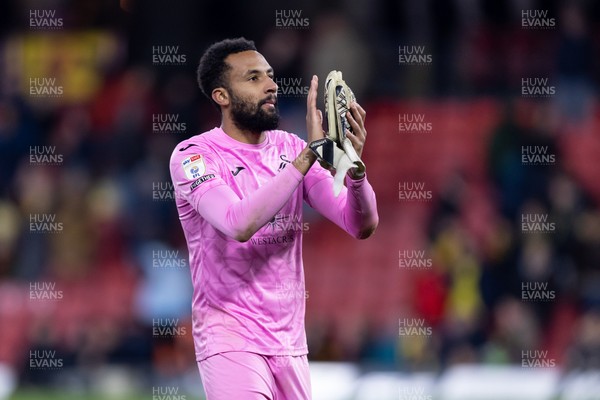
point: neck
(241, 135)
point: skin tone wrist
(305, 160)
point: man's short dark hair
(212, 67)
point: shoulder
(195, 161)
(201, 143)
(194, 157)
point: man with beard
(240, 189)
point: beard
(249, 117)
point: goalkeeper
(240, 189)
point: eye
(253, 78)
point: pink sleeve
(241, 218)
(198, 178)
(354, 210)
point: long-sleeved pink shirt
(240, 207)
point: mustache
(271, 98)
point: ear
(220, 96)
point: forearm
(354, 210)
(360, 213)
(242, 218)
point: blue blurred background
(94, 279)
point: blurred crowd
(109, 195)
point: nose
(271, 86)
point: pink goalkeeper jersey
(249, 296)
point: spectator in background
(575, 87)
